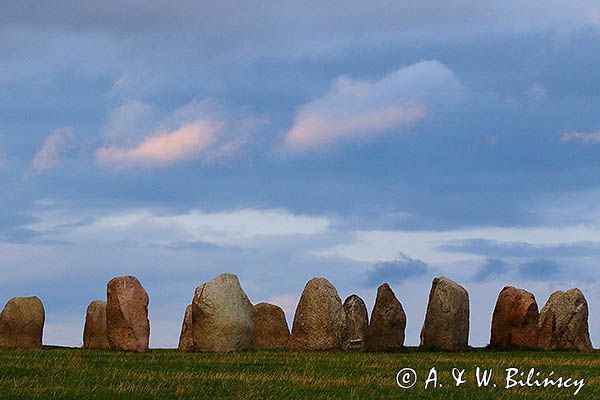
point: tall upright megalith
(127, 324)
(320, 319)
(388, 322)
(515, 319)
(446, 325)
(563, 322)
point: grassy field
(168, 374)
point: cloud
(537, 90)
(374, 245)
(539, 269)
(295, 27)
(128, 122)
(242, 227)
(396, 271)
(200, 129)
(162, 149)
(492, 267)
(356, 109)
(494, 248)
(581, 137)
(49, 155)
(536, 269)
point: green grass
(168, 374)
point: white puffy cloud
(226, 228)
(357, 109)
(51, 152)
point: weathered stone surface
(388, 322)
(186, 339)
(222, 316)
(127, 325)
(563, 322)
(94, 331)
(357, 319)
(320, 320)
(22, 323)
(446, 325)
(515, 319)
(270, 327)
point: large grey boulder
(94, 331)
(357, 319)
(515, 319)
(319, 320)
(22, 323)
(563, 322)
(127, 325)
(186, 339)
(270, 327)
(222, 316)
(388, 322)
(446, 325)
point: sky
(365, 142)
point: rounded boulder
(320, 319)
(222, 316)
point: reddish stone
(515, 320)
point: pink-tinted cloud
(354, 109)
(581, 137)
(312, 130)
(163, 149)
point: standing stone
(270, 327)
(388, 322)
(515, 319)
(22, 323)
(320, 320)
(356, 319)
(222, 316)
(563, 322)
(446, 325)
(127, 325)
(94, 332)
(186, 339)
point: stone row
(221, 318)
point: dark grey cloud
(492, 267)
(535, 269)
(220, 27)
(395, 271)
(493, 248)
(539, 269)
